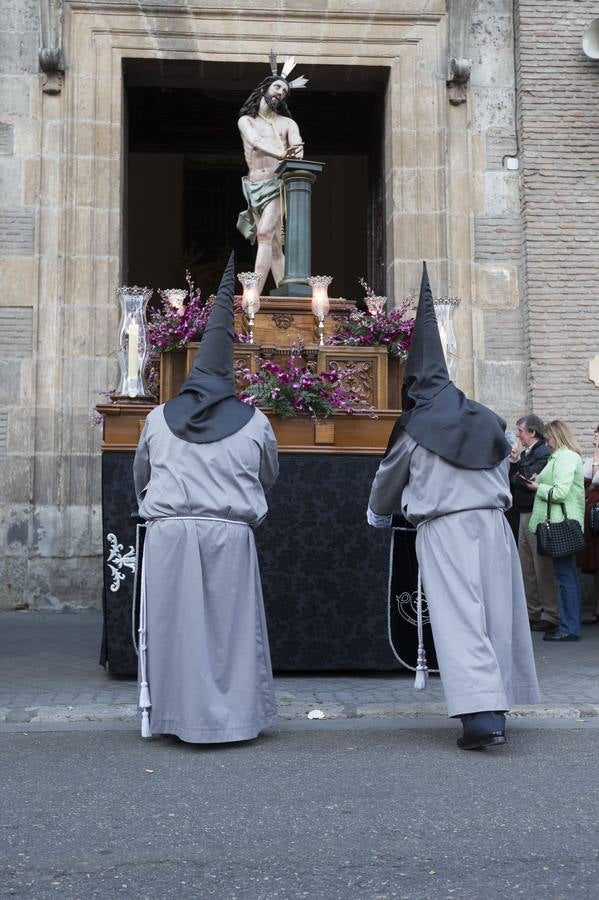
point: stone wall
(19, 144)
(558, 117)
(450, 197)
(498, 311)
(50, 528)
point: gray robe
(471, 574)
(208, 660)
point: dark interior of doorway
(185, 162)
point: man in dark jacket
(537, 571)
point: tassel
(421, 671)
(146, 731)
(144, 688)
(421, 666)
(420, 680)
(144, 695)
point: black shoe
(481, 741)
(558, 636)
(542, 625)
(482, 729)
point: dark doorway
(185, 163)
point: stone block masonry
(498, 310)
(19, 143)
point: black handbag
(557, 539)
(594, 518)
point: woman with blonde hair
(563, 477)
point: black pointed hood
(207, 408)
(426, 370)
(437, 415)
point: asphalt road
(351, 810)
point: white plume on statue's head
(288, 67)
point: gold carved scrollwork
(358, 378)
(283, 320)
(240, 367)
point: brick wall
(558, 118)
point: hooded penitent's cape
(436, 414)
(207, 408)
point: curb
(295, 710)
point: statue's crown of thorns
(288, 67)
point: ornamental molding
(411, 14)
(117, 560)
(241, 366)
(459, 66)
(51, 58)
(283, 320)
(357, 376)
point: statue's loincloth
(258, 195)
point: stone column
(298, 177)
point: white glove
(377, 521)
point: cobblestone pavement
(49, 673)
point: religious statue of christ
(269, 136)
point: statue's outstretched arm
(257, 141)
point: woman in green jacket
(563, 475)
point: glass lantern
(250, 300)
(320, 301)
(175, 297)
(133, 342)
(375, 304)
(445, 308)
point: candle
(133, 350)
(250, 297)
(320, 297)
(320, 302)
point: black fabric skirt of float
(325, 571)
(402, 599)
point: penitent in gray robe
(208, 661)
(471, 574)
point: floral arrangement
(172, 328)
(293, 388)
(377, 327)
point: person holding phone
(537, 571)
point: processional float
(337, 596)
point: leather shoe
(542, 625)
(558, 636)
(481, 741)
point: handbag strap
(558, 502)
